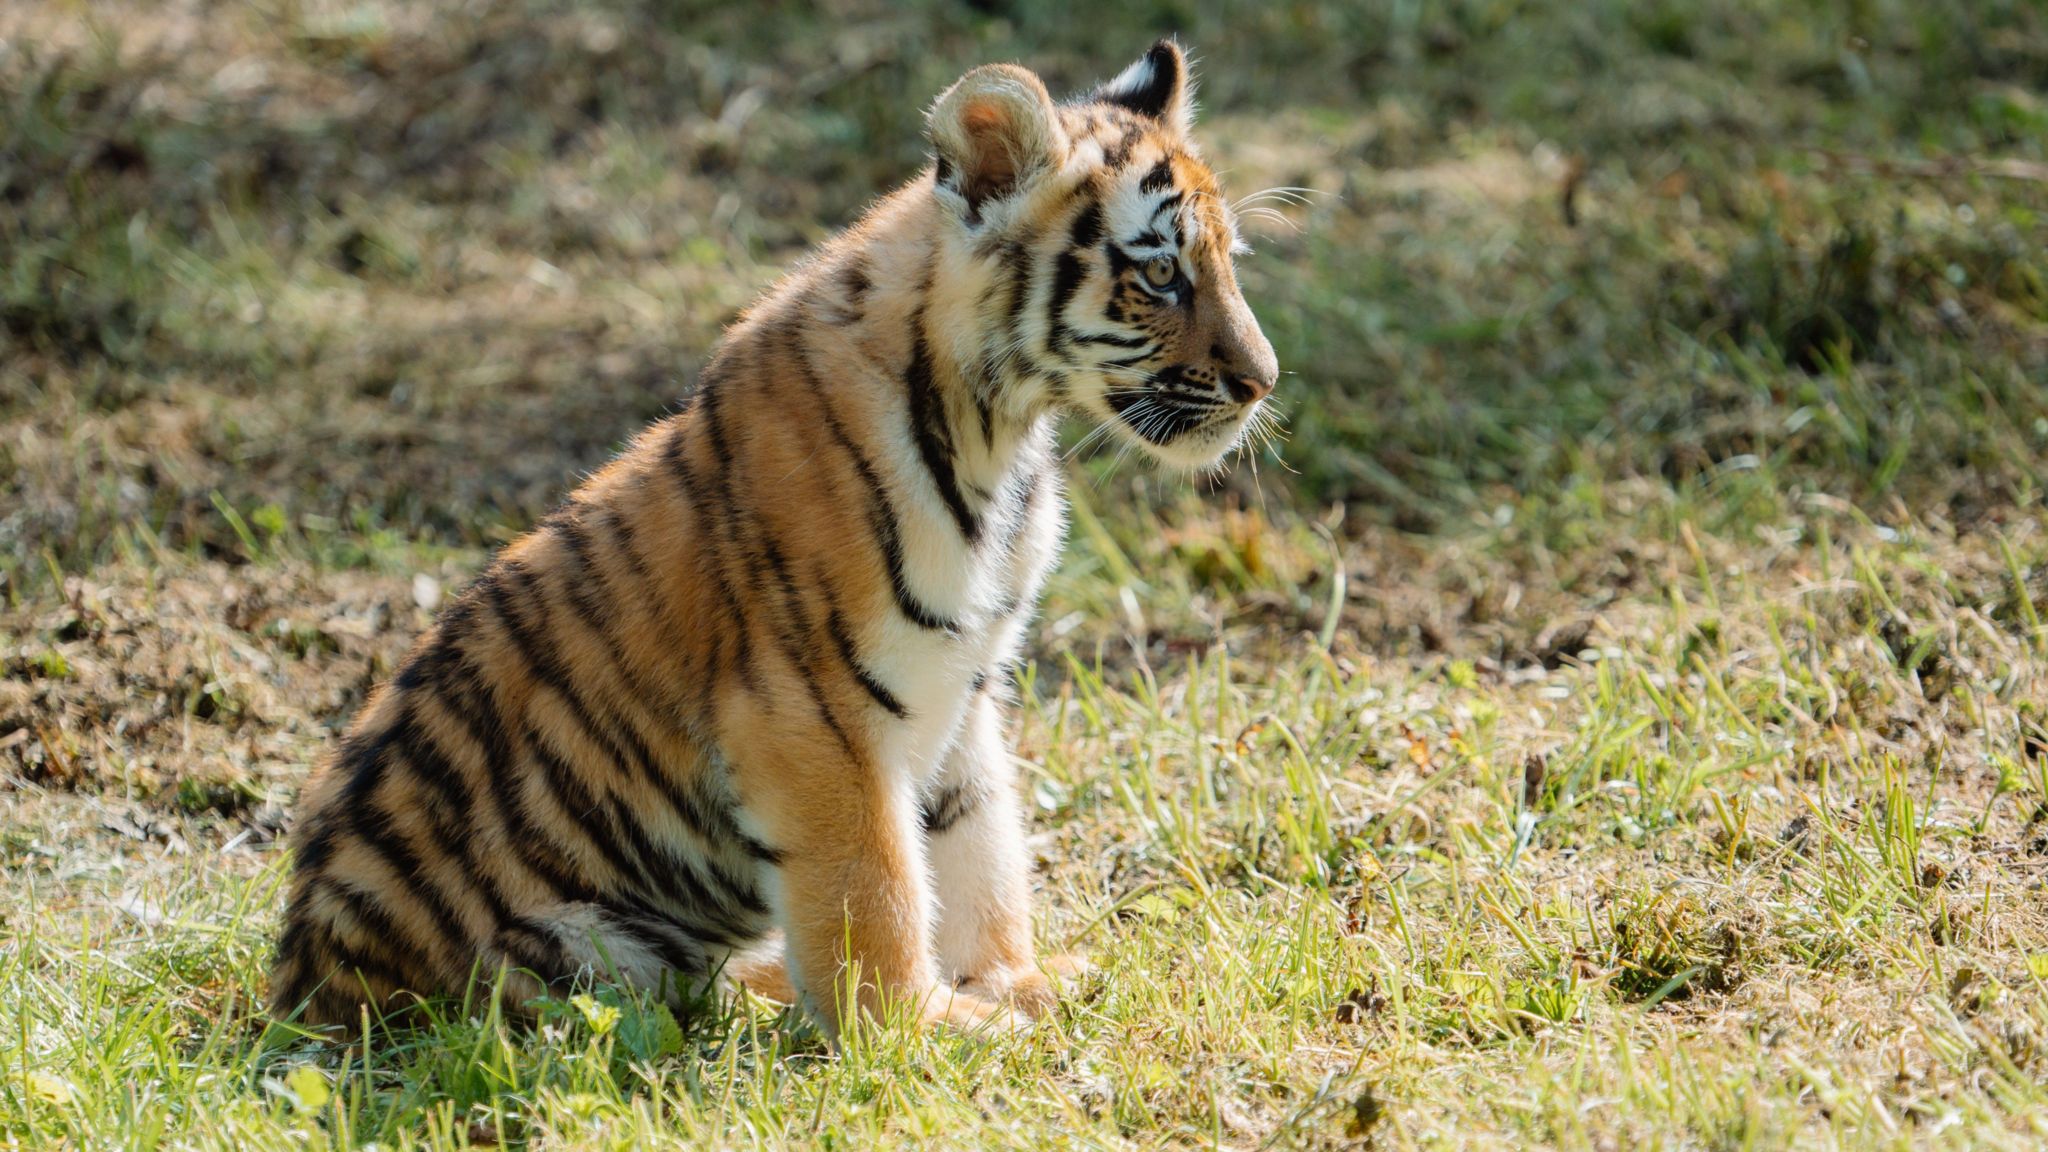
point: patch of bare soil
(200, 686)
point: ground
(1616, 716)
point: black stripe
(382, 932)
(1159, 178)
(853, 279)
(451, 821)
(881, 517)
(983, 413)
(539, 952)
(376, 828)
(423, 758)
(740, 891)
(661, 872)
(677, 946)
(317, 847)
(1118, 154)
(703, 810)
(566, 525)
(626, 548)
(664, 871)
(292, 942)
(365, 967)
(461, 693)
(453, 825)
(720, 463)
(629, 545)
(365, 911)
(585, 601)
(1017, 257)
(836, 625)
(1034, 487)
(582, 809)
(370, 758)
(370, 916)
(679, 470)
(582, 601)
(615, 741)
(952, 804)
(295, 970)
(1087, 228)
(659, 868)
(933, 432)
(720, 809)
(1112, 339)
(797, 629)
(758, 850)
(1168, 208)
(1068, 272)
(569, 790)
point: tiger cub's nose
(1246, 388)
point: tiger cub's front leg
(854, 894)
(973, 822)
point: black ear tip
(1164, 55)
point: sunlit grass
(1685, 886)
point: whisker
(1123, 453)
(1099, 432)
(1269, 214)
(1291, 193)
(1251, 457)
(1252, 202)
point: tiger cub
(736, 708)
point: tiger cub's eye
(1160, 271)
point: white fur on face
(1144, 224)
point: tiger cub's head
(1103, 248)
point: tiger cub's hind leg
(763, 970)
(640, 950)
(330, 975)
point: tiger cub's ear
(993, 130)
(1157, 86)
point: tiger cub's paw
(1033, 991)
(974, 1014)
(762, 972)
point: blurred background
(364, 268)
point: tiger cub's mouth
(1186, 419)
(1161, 418)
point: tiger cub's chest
(983, 593)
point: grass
(1616, 717)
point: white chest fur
(986, 589)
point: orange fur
(748, 678)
